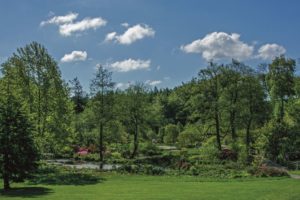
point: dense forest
(245, 114)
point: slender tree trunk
(248, 140)
(136, 143)
(282, 109)
(101, 146)
(39, 113)
(6, 170)
(232, 126)
(217, 122)
(233, 115)
(217, 117)
(6, 173)
(6, 161)
(44, 112)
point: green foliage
(209, 151)
(115, 132)
(116, 156)
(149, 149)
(280, 80)
(141, 169)
(190, 137)
(217, 171)
(18, 153)
(36, 80)
(136, 109)
(267, 171)
(55, 175)
(228, 112)
(102, 104)
(171, 133)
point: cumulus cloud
(153, 83)
(74, 56)
(67, 26)
(130, 65)
(270, 51)
(61, 19)
(132, 34)
(110, 36)
(220, 45)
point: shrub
(116, 155)
(228, 154)
(124, 150)
(171, 132)
(215, 171)
(165, 160)
(189, 138)
(129, 168)
(91, 157)
(266, 171)
(141, 169)
(208, 151)
(149, 149)
(153, 170)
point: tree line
(253, 111)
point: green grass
(296, 172)
(131, 187)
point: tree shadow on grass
(26, 192)
(66, 177)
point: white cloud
(270, 51)
(67, 26)
(125, 24)
(110, 36)
(85, 24)
(130, 65)
(58, 20)
(220, 45)
(132, 34)
(153, 83)
(74, 56)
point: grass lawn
(296, 172)
(131, 187)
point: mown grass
(296, 172)
(129, 187)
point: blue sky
(159, 42)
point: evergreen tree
(102, 97)
(17, 150)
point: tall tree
(102, 97)
(78, 96)
(80, 100)
(44, 93)
(280, 80)
(254, 109)
(231, 85)
(137, 111)
(210, 81)
(16, 140)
